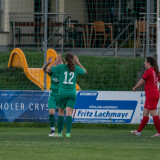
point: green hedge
(103, 73)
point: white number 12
(70, 80)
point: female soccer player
(52, 101)
(150, 78)
(67, 74)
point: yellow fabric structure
(36, 75)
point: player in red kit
(150, 78)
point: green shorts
(66, 99)
(52, 101)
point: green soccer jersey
(54, 82)
(67, 78)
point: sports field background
(20, 26)
(87, 142)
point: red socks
(145, 120)
(156, 121)
(143, 123)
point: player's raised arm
(46, 65)
(76, 60)
(46, 68)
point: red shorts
(152, 98)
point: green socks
(60, 123)
(51, 120)
(69, 123)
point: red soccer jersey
(151, 79)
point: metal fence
(102, 28)
(108, 26)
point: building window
(1, 15)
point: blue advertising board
(24, 106)
(90, 110)
(91, 107)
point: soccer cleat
(52, 134)
(135, 132)
(59, 135)
(156, 135)
(68, 135)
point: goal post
(158, 32)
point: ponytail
(70, 64)
(153, 64)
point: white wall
(53, 6)
(3, 39)
(17, 6)
(4, 36)
(76, 10)
(21, 6)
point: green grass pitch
(85, 144)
